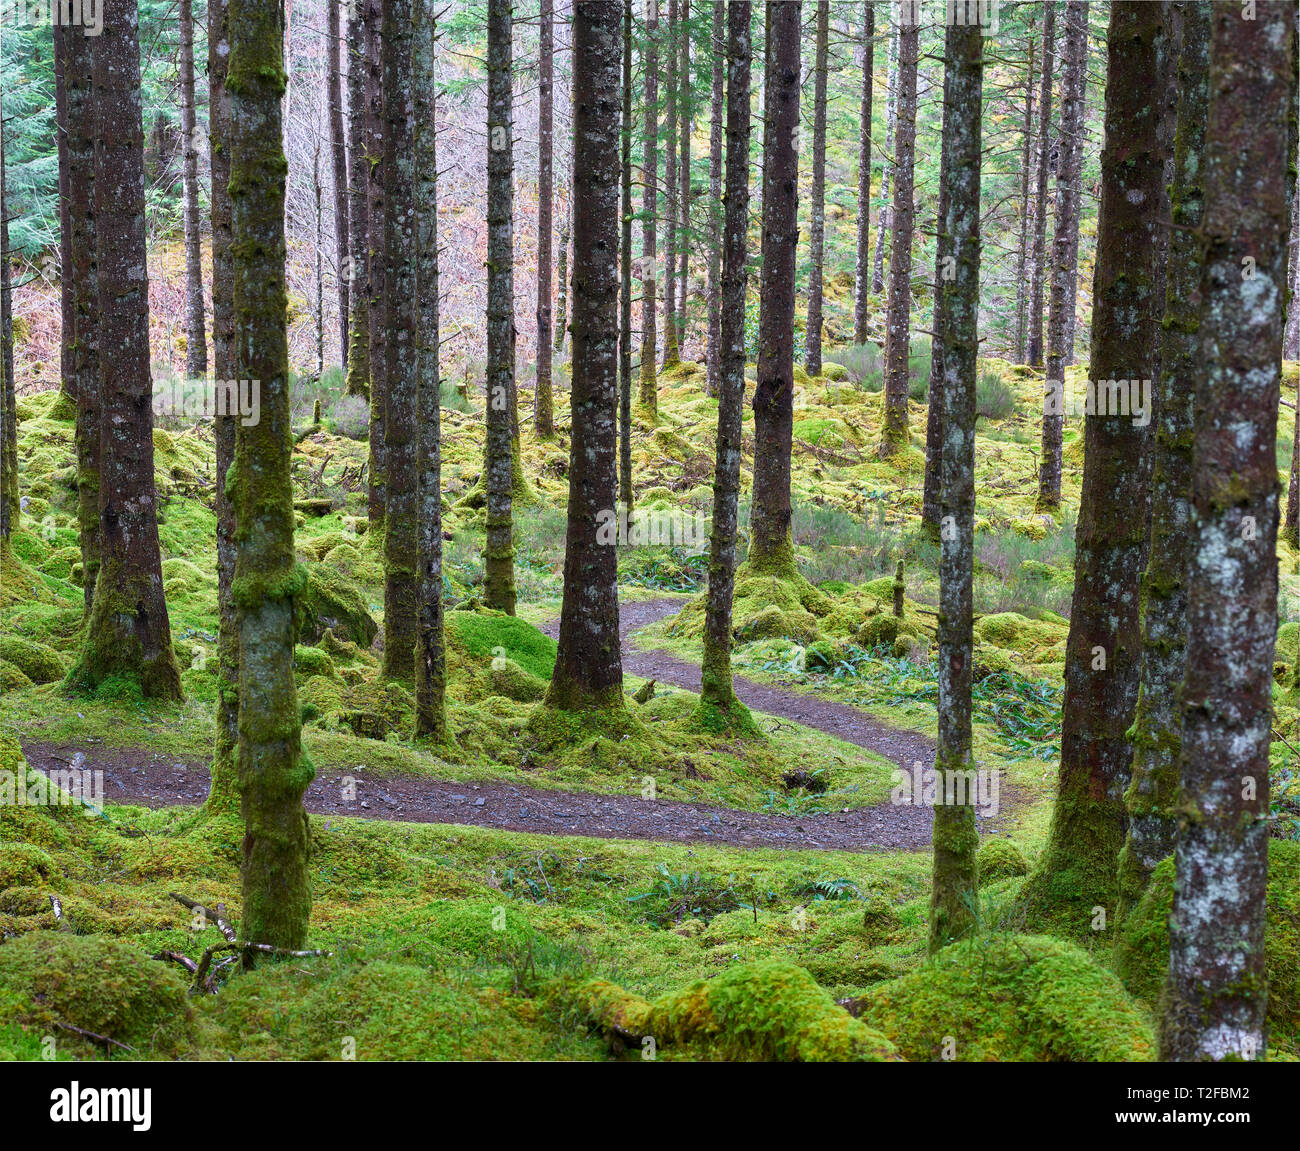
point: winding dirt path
(140, 776)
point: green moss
(507, 678)
(1000, 859)
(309, 661)
(38, 663)
(331, 601)
(485, 635)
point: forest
(640, 530)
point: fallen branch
(218, 917)
(106, 1040)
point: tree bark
(862, 284)
(588, 665)
(672, 353)
(684, 115)
(954, 896)
(339, 152)
(1034, 348)
(817, 236)
(67, 304)
(944, 268)
(648, 390)
(358, 266)
(543, 403)
(894, 436)
(9, 502)
(196, 343)
(716, 128)
(128, 633)
(625, 277)
(1026, 221)
(886, 160)
(376, 324)
(771, 547)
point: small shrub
(994, 399)
(350, 417)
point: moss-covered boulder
(12, 678)
(1000, 859)
(40, 664)
(331, 601)
(509, 679)
(1010, 998)
(309, 661)
(483, 636)
(773, 623)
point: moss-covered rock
(1000, 859)
(40, 664)
(486, 635)
(332, 601)
(507, 678)
(12, 678)
(309, 661)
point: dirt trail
(140, 776)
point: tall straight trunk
(862, 280)
(1077, 872)
(672, 354)
(714, 243)
(944, 270)
(196, 343)
(128, 633)
(684, 116)
(648, 391)
(588, 665)
(273, 774)
(1291, 339)
(9, 503)
(771, 547)
(376, 324)
(817, 237)
(718, 705)
(625, 276)
(954, 895)
(431, 648)
(1026, 215)
(886, 160)
(543, 404)
(401, 352)
(319, 215)
(1034, 343)
(562, 276)
(223, 794)
(1157, 729)
(67, 305)
(1066, 227)
(339, 152)
(358, 264)
(1216, 993)
(499, 551)
(79, 280)
(894, 435)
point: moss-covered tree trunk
(886, 159)
(543, 402)
(1216, 994)
(1064, 251)
(9, 506)
(339, 155)
(625, 277)
(128, 633)
(714, 242)
(932, 487)
(954, 894)
(1042, 156)
(648, 390)
(401, 351)
(1077, 872)
(358, 267)
(223, 794)
(431, 650)
(67, 305)
(273, 771)
(672, 354)
(862, 279)
(817, 214)
(498, 466)
(376, 322)
(196, 341)
(718, 706)
(1157, 728)
(771, 548)
(1026, 216)
(589, 666)
(894, 434)
(685, 114)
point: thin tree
(716, 128)
(67, 305)
(358, 263)
(718, 706)
(543, 403)
(499, 551)
(273, 774)
(401, 353)
(1216, 994)
(1157, 728)
(10, 508)
(817, 236)
(196, 344)
(376, 323)
(944, 270)
(128, 633)
(862, 280)
(1077, 872)
(771, 547)
(648, 391)
(588, 671)
(1034, 342)
(684, 117)
(886, 160)
(954, 895)
(1026, 216)
(339, 153)
(894, 435)
(672, 353)
(625, 278)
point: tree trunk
(358, 266)
(771, 548)
(625, 278)
(9, 504)
(401, 352)
(1291, 340)
(672, 353)
(67, 290)
(196, 344)
(273, 774)
(716, 128)
(1034, 344)
(319, 216)
(588, 666)
(944, 269)
(862, 283)
(431, 650)
(223, 794)
(817, 237)
(954, 896)
(339, 151)
(684, 116)
(543, 403)
(648, 391)
(886, 160)
(1026, 222)
(376, 324)
(1066, 217)
(499, 551)
(128, 633)
(894, 436)
(1077, 872)
(1157, 729)
(1216, 994)
(718, 707)
(562, 275)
